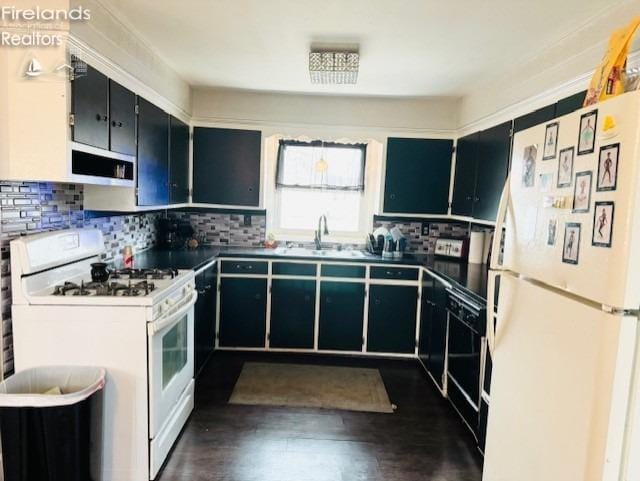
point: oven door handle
(167, 320)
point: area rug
(300, 385)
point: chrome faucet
(318, 234)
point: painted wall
(559, 70)
(369, 116)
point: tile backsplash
(215, 228)
(422, 235)
(32, 207)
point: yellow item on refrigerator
(607, 79)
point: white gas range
(138, 325)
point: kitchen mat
(301, 385)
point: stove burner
(113, 289)
(143, 274)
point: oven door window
(174, 351)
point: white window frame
(369, 201)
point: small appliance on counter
(452, 248)
(390, 244)
(174, 234)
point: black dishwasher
(465, 337)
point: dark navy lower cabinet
(205, 316)
(341, 316)
(243, 308)
(392, 318)
(433, 328)
(293, 304)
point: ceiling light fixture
(333, 67)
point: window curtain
(321, 165)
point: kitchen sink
(305, 252)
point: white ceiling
(407, 47)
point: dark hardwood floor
(423, 440)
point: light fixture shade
(334, 67)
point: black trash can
(46, 422)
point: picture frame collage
(581, 182)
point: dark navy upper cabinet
(570, 104)
(226, 166)
(417, 176)
(243, 306)
(464, 183)
(178, 162)
(341, 316)
(293, 307)
(392, 319)
(122, 119)
(482, 163)
(493, 163)
(90, 108)
(153, 154)
(544, 114)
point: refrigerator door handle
(505, 198)
(491, 325)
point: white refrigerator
(565, 381)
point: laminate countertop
(469, 278)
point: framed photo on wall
(565, 167)
(582, 192)
(608, 167)
(571, 246)
(602, 224)
(550, 141)
(587, 133)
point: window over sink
(315, 178)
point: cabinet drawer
(293, 269)
(244, 267)
(337, 270)
(402, 273)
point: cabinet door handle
(469, 197)
(119, 124)
(329, 300)
(377, 302)
(258, 297)
(477, 199)
(114, 123)
(392, 196)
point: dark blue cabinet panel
(243, 308)
(392, 318)
(178, 161)
(293, 307)
(417, 175)
(493, 164)
(205, 316)
(226, 166)
(90, 107)
(544, 114)
(122, 119)
(153, 154)
(341, 316)
(464, 181)
(433, 328)
(570, 104)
